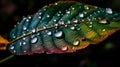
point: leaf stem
(7, 58)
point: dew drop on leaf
(76, 43)
(34, 40)
(64, 48)
(59, 34)
(109, 10)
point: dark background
(105, 54)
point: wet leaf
(63, 27)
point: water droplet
(39, 17)
(40, 13)
(75, 21)
(24, 18)
(44, 27)
(54, 20)
(24, 28)
(18, 22)
(48, 16)
(104, 30)
(29, 17)
(59, 34)
(68, 21)
(109, 10)
(64, 48)
(61, 22)
(33, 30)
(24, 51)
(49, 33)
(56, 25)
(90, 26)
(86, 7)
(81, 15)
(68, 12)
(91, 22)
(27, 20)
(14, 51)
(12, 47)
(103, 21)
(56, 3)
(24, 38)
(58, 14)
(20, 43)
(66, 25)
(72, 28)
(38, 33)
(24, 43)
(78, 28)
(34, 40)
(76, 43)
(13, 36)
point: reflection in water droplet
(59, 34)
(34, 40)
(109, 10)
(76, 43)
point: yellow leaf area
(3, 43)
(95, 33)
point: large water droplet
(109, 10)
(59, 34)
(76, 43)
(103, 22)
(34, 40)
(81, 15)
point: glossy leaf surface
(63, 27)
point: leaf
(63, 27)
(3, 43)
